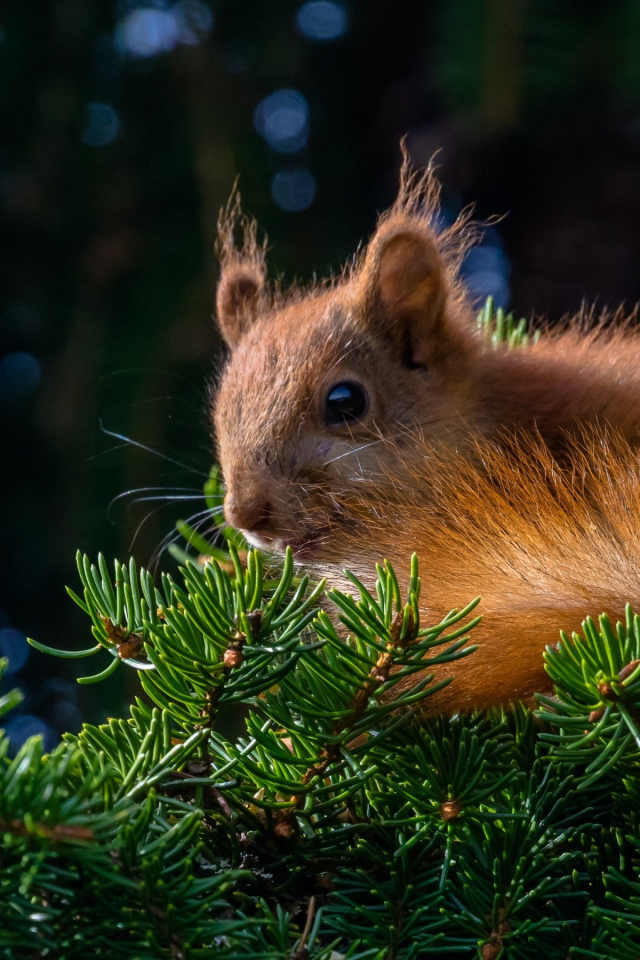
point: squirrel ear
(406, 279)
(242, 286)
(238, 300)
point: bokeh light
(486, 271)
(293, 189)
(103, 125)
(19, 376)
(282, 119)
(322, 20)
(194, 19)
(148, 30)
(21, 726)
(14, 646)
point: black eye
(345, 402)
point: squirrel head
(318, 380)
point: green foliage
(339, 824)
(597, 703)
(499, 327)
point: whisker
(168, 501)
(404, 431)
(166, 542)
(148, 516)
(102, 453)
(174, 535)
(142, 446)
(128, 493)
(164, 493)
(363, 446)
(179, 497)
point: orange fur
(544, 546)
(430, 466)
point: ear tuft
(242, 287)
(407, 279)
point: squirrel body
(544, 546)
(350, 417)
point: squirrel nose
(251, 512)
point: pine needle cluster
(340, 824)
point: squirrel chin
(266, 544)
(304, 547)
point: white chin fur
(263, 543)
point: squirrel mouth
(311, 545)
(306, 544)
(306, 547)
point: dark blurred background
(123, 127)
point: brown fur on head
(395, 323)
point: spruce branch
(340, 824)
(596, 709)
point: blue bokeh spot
(293, 189)
(19, 376)
(322, 20)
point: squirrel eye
(345, 402)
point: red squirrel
(367, 417)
